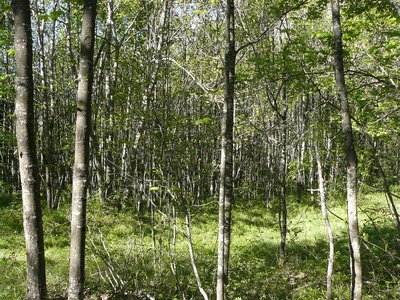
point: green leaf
(202, 121)
(154, 188)
(214, 2)
(55, 14)
(11, 51)
(175, 189)
(43, 17)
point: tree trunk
(80, 172)
(396, 6)
(283, 196)
(351, 157)
(282, 199)
(324, 210)
(28, 165)
(192, 257)
(226, 167)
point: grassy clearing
(126, 266)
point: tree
(226, 167)
(28, 165)
(351, 156)
(324, 210)
(80, 172)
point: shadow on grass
(11, 218)
(5, 200)
(381, 257)
(254, 272)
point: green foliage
(53, 16)
(316, 9)
(202, 121)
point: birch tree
(351, 156)
(28, 165)
(80, 172)
(226, 167)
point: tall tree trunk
(282, 200)
(28, 165)
(283, 196)
(351, 157)
(226, 180)
(51, 124)
(324, 210)
(80, 172)
(109, 105)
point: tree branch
(264, 33)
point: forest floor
(127, 260)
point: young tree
(226, 176)
(324, 210)
(351, 157)
(28, 166)
(80, 172)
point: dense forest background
(155, 147)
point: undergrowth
(127, 260)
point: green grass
(254, 273)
